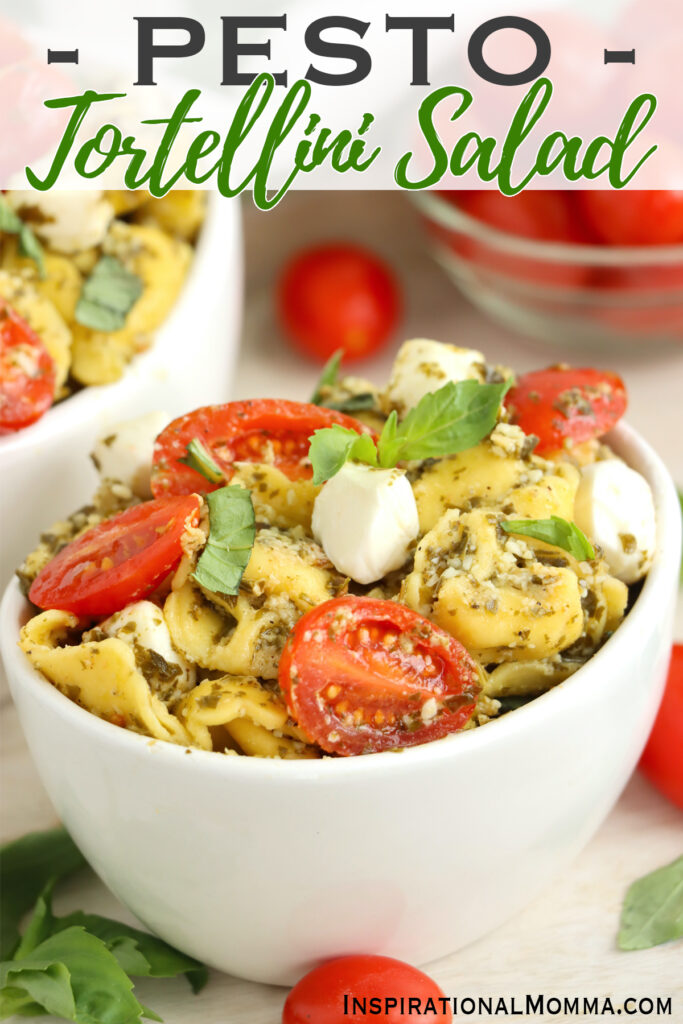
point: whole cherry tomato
(390, 991)
(662, 760)
(538, 215)
(335, 297)
(565, 404)
(633, 217)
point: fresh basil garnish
(75, 967)
(29, 245)
(452, 419)
(200, 459)
(328, 379)
(26, 866)
(333, 446)
(108, 295)
(329, 376)
(653, 909)
(556, 531)
(231, 538)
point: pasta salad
(86, 278)
(371, 570)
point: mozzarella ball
(125, 453)
(614, 508)
(67, 222)
(365, 520)
(422, 366)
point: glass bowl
(566, 293)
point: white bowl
(262, 868)
(45, 469)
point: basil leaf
(556, 531)
(137, 953)
(328, 378)
(449, 420)
(231, 538)
(71, 975)
(26, 866)
(29, 246)
(200, 459)
(332, 446)
(653, 909)
(354, 403)
(108, 295)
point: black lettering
(420, 28)
(233, 48)
(475, 51)
(148, 50)
(338, 51)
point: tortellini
(500, 471)
(43, 317)
(249, 715)
(492, 591)
(101, 676)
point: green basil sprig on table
(108, 295)
(200, 459)
(29, 245)
(328, 379)
(556, 531)
(75, 967)
(653, 909)
(444, 422)
(231, 537)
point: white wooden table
(564, 943)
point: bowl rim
(662, 576)
(86, 404)
(450, 216)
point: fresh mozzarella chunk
(422, 366)
(125, 453)
(365, 519)
(614, 507)
(142, 626)
(68, 222)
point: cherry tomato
(241, 432)
(644, 300)
(361, 675)
(634, 217)
(563, 404)
(27, 373)
(325, 995)
(121, 560)
(662, 760)
(542, 216)
(338, 297)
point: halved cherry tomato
(335, 297)
(262, 430)
(662, 760)
(325, 995)
(120, 560)
(361, 675)
(27, 373)
(634, 217)
(564, 404)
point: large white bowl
(262, 868)
(45, 470)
